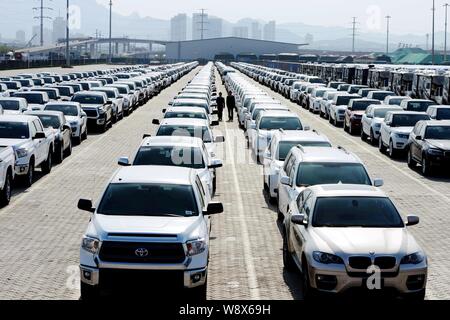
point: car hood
(72, 118)
(405, 130)
(441, 144)
(181, 226)
(93, 106)
(351, 241)
(16, 143)
(11, 112)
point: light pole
(432, 36)
(388, 19)
(110, 31)
(446, 27)
(67, 36)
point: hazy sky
(407, 15)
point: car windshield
(151, 200)
(32, 98)
(396, 101)
(50, 121)
(286, 146)
(443, 114)
(311, 174)
(419, 106)
(170, 156)
(14, 130)
(186, 131)
(122, 90)
(88, 99)
(407, 120)
(343, 100)
(109, 93)
(362, 105)
(68, 110)
(438, 133)
(360, 212)
(276, 123)
(64, 91)
(191, 115)
(320, 93)
(381, 95)
(10, 105)
(381, 113)
(51, 93)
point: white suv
(305, 167)
(351, 236)
(278, 149)
(372, 119)
(151, 220)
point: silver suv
(351, 236)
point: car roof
(93, 93)
(63, 103)
(437, 123)
(190, 100)
(301, 135)
(407, 112)
(278, 112)
(186, 109)
(346, 190)
(329, 155)
(17, 118)
(153, 175)
(12, 99)
(185, 122)
(44, 112)
(179, 141)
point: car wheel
(309, 293)
(89, 293)
(28, 179)
(411, 162)
(199, 293)
(266, 186)
(46, 166)
(426, 166)
(280, 214)
(85, 135)
(373, 141)
(363, 135)
(381, 146)
(5, 195)
(59, 155)
(69, 150)
(288, 260)
(214, 185)
(416, 296)
(392, 152)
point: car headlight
(435, 152)
(91, 245)
(327, 258)
(402, 135)
(414, 258)
(21, 153)
(196, 247)
(73, 123)
(101, 110)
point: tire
(280, 214)
(104, 128)
(381, 146)
(309, 293)
(46, 166)
(363, 135)
(410, 160)
(266, 186)
(288, 260)
(59, 155)
(85, 134)
(214, 183)
(68, 151)
(416, 296)
(373, 141)
(29, 178)
(427, 170)
(5, 194)
(199, 293)
(89, 293)
(392, 152)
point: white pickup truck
(33, 145)
(7, 161)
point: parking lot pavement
(414, 194)
(246, 246)
(42, 228)
(58, 70)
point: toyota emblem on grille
(141, 252)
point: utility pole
(110, 31)
(446, 28)
(202, 24)
(432, 36)
(41, 17)
(354, 23)
(67, 35)
(427, 47)
(388, 20)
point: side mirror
(214, 123)
(86, 205)
(214, 208)
(39, 135)
(164, 110)
(214, 112)
(83, 114)
(108, 103)
(124, 162)
(306, 128)
(215, 164)
(286, 181)
(412, 221)
(156, 121)
(267, 155)
(299, 219)
(419, 138)
(378, 183)
(66, 127)
(253, 126)
(145, 136)
(219, 139)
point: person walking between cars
(231, 105)
(220, 106)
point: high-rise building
(240, 32)
(256, 31)
(214, 28)
(270, 31)
(20, 36)
(178, 27)
(36, 30)
(200, 26)
(59, 29)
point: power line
(42, 8)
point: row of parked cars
(151, 226)
(400, 126)
(339, 228)
(39, 128)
